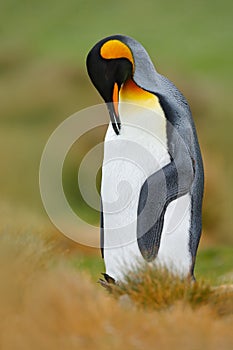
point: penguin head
(111, 63)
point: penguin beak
(113, 110)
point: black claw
(107, 282)
(108, 278)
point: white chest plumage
(129, 159)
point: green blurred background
(43, 80)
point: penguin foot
(107, 282)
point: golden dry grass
(45, 304)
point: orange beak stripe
(115, 98)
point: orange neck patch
(116, 49)
(132, 93)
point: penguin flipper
(172, 181)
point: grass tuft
(158, 289)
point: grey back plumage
(180, 119)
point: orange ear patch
(116, 49)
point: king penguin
(152, 173)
